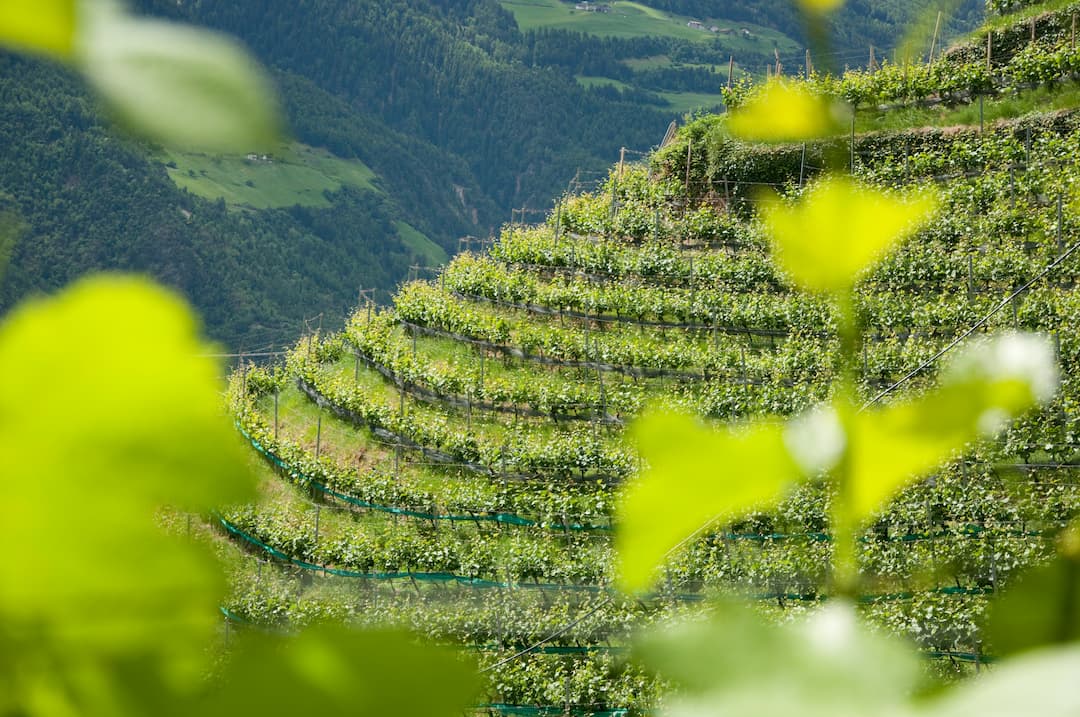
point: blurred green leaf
(107, 413)
(840, 229)
(735, 664)
(784, 111)
(336, 671)
(985, 387)
(180, 86)
(919, 33)
(1042, 608)
(1040, 683)
(725, 473)
(46, 26)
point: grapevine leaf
(736, 664)
(785, 112)
(337, 671)
(839, 230)
(46, 26)
(179, 85)
(108, 414)
(1038, 683)
(1042, 608)
(989, 384)
(727, 472)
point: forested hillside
(88, 199)
(460, 73)
(449, 73)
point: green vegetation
(689, 102)
(427, 252)
(88, 199)
(1006, 107)
(480, 418)
(631, 19)
(817, 430)
(585, 81)
(360, 90)
(132, 634)
(290, 174)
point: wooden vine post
(853, 142)
(933, 43)
(689, 150)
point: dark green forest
(88, 199)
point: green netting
(970, 657)
(558, 649)
(437, 577)
(444, 577)
(555, 711)
(430, 577)
(233, 617)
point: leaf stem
(845, 576)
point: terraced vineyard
(452, 463)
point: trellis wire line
(543, 310)
(967, 531)
(246, 354)
(884, 393)
(489, 516)
(939, 332)
(569, 626)
(347, 414)
(603, 603)
(773, 285)
(970, 531)
(975, 327)
(423, 391)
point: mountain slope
(441, 115)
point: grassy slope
(430, 253)
(690, 101)
(295, 174)
(631, 19)
(677, 101)
(587, 81)
(1007, 106)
